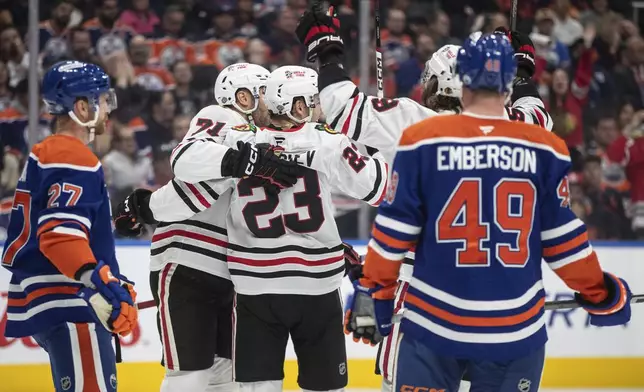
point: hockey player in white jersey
(189, 278)
(377, 122)
(285, 255)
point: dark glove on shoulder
(320, 34)
(133, 212)
(523, 51)
(260, 161)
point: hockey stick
(379, 76)
(513, 15)
(146, 304)
(552, 305)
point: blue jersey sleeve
(564, 238)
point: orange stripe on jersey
(87, 359)
(566, 246)
(391, 241)
(379, 269)
(464, 126)
(39, 293)
(64, 149)
(11, 114)
(585, 276)
(92, 23)
(503, 321)
(68, 253)
(49, 225)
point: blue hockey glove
(615, 309)
(111, 299)
(369, 317)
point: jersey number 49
(461, 221)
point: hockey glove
(369, 317)
(111, 299)
(261, 162)
(615, 309)
(523, 51)
(132, 212)
(320, 34)
(352, 262)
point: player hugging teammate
(188, 272)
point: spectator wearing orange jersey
(223, 44)
(140, 18)
(108, 34)
(150, 77)
(167, 43)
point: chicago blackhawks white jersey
(379, 122)
(198, 242)
(288, 243)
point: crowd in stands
(164, 56)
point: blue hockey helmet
(487, 63)
(67, 81)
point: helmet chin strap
(91, 124)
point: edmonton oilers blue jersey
(483, 200)
(60, 225)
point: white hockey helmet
(287, 83)
(240, 76)
(442, 64)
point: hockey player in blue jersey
(66, 289)
(483, 200)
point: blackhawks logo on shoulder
(326, 128)
(245, 128)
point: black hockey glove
(523, 51)
(261, 162)
(352, 262)
(320, 34)
(133, 212)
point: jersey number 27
(461, 221)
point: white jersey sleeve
(369, 120)
(178, 200)
(530, 110)
(199, 155)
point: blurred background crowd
(164, 57)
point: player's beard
(261, 117)
(101, 127)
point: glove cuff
(228, 162)
(615, 300)
(331, 73)
(524, 87)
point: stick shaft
(146, 304)
(379, 65)
(553, 305)
(513, 14)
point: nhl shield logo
(288, 74)
(342, 369)
(66, 383)
(524, 385)
(113, 380)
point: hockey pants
(418, 368)
(81, 356)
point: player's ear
(243, 98)
(81, 108)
